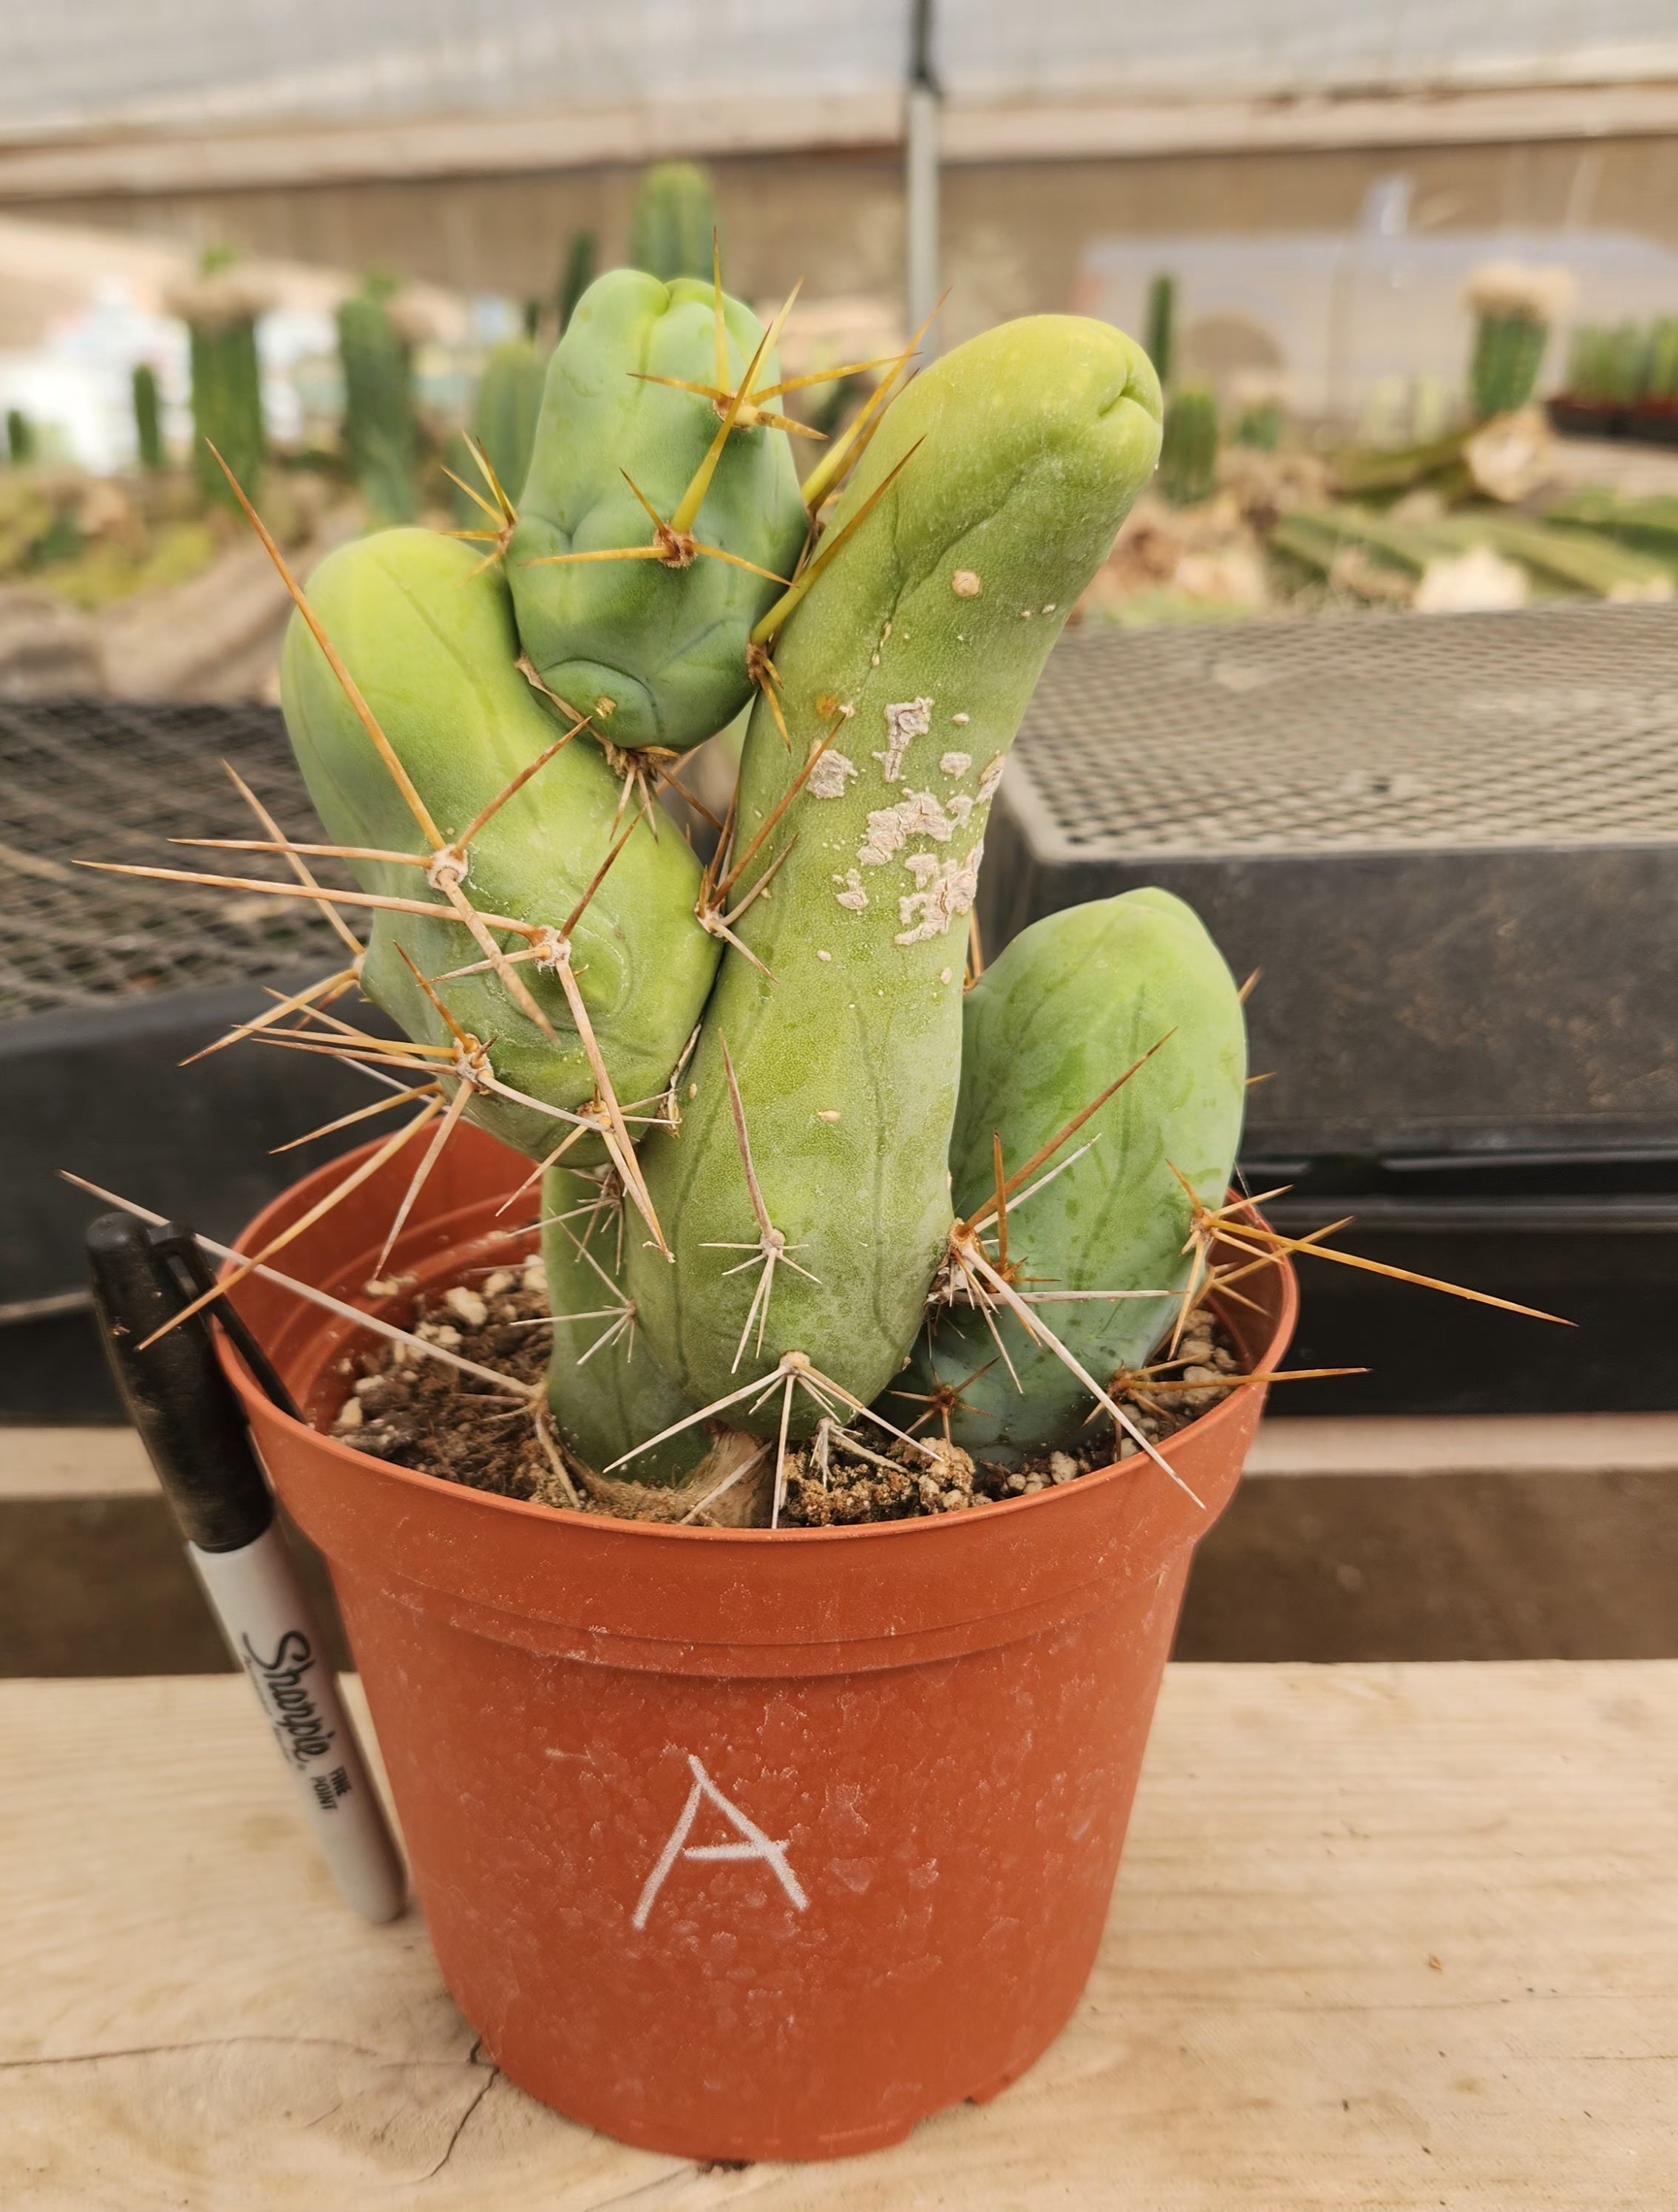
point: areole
(740, 1844)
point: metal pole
(921, 179)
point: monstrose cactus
(796, 1166)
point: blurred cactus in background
(508, 401)
(20, 438)
(1162, 326)
(674, 222)
(147, 421)
(220, 309)
(1260, 427)
(380, 428)
(1188, 452)
(1514, 308)
(1661, 366)
(580, 261)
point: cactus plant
(1514, 308)
(380, 428)
(147, 421)
(581, 257)
(1188, 451)
(20, 438)
(1162, 326)
(674, 222)
(220, 308)
(505, 407)
(754, 1096)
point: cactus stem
(849, 449)
(728, 1482)
(771, 1246)
(361, 1114)
(826, 552)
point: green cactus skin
(148, 420)
(1071, 1003)
(432, 647)
(505, 410)
(655, 654)
(608, 1399)
(1509, 350)
(931, 624)
(674, 221)
(581, 259)
(227, 408)
(381, 430)
(1162, 326)
(1188, 451)
(1661, 370)
(20, 438)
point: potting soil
(424, 1414)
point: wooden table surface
(1386, 1936)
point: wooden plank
(104, 1462)
(542, 141)
(65, 1463)
(1386, 1937)
(1470, 1444)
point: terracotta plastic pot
(738, 1845)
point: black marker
(191, 1424)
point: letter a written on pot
(753, 1844)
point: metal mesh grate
(1554, 725)
(98, 780)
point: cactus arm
(1070, 1004)
(923, 639)
(432, 647)
(647, 634)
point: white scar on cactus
(908, 719)
(946, 889)
(829, 779)
(917, 814)
(954, 764)
(851, 896)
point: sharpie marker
(191, 1424)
